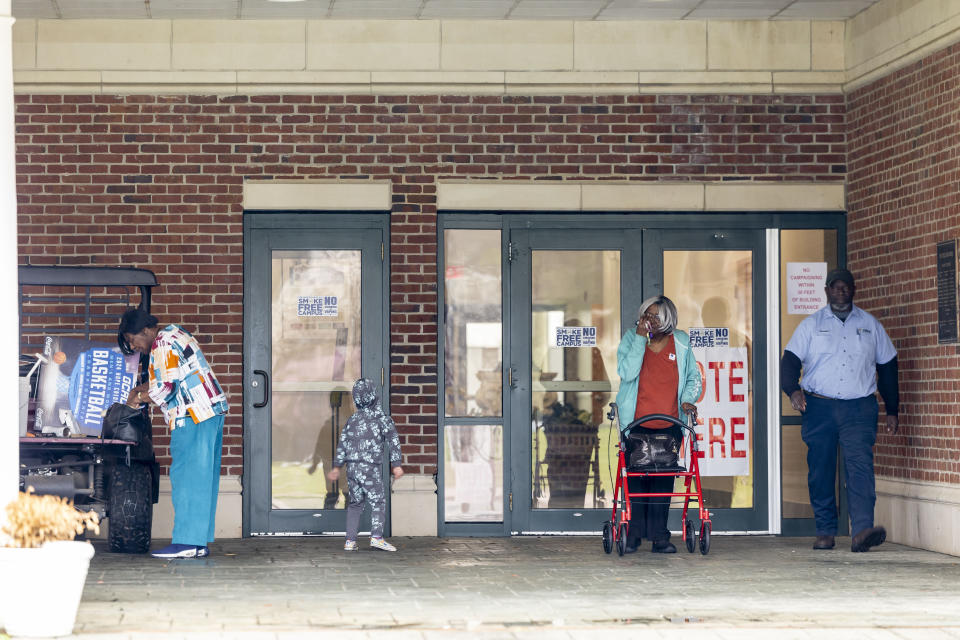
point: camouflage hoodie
(367, 430)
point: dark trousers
(853, 425)
(365, 484)
(648, 516)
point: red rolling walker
(615, 530)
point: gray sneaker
(383, 545)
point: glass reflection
(801, 245)
(315, 358)
(798, 245)
(473, 473)
(795, 496)
(472, 320)
(715, 289)
(575, 332)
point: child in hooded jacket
(361, 446)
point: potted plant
(43, 569)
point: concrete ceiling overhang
(442, 9)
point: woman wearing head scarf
(658, 374)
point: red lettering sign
(717, 437)
(735, 397)
(716, 366)
(736, 436)
(723, 424)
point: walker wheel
(705, 538)
(622, 539)
(607, 537)
(688, 534)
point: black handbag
(653, 449)
(122, 422)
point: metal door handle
(266, 388)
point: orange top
(657, 385)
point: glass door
(716, 279)
(471, 433)
(313, 325)
(802, 249)
(566, 300)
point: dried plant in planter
(33, 520)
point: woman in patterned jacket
(194, 405)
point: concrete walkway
(526, 587)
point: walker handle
(660, 416)
(614, 414)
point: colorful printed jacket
(181, 382)
(368, 430)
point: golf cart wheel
(130, 508)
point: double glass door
(572, 295)
(314, 323)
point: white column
(773, 382)
(9, 326)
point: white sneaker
(383, 545)
(350, 545)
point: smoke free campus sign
(805, 283)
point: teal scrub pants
(195, 480)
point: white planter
(40, 589)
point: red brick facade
(156, 182)
(903, 198)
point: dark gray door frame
(262, 233)
(649, 224)
(655, 242)
(525, 241)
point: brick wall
(902, 199)
(156, 182)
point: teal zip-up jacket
(630, 361)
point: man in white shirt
(846, 356)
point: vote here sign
(723, 422)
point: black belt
(817, 395)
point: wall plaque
(947, 292)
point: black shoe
(823, 542)
(631, 547)
(870, 537)
(663, 547)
